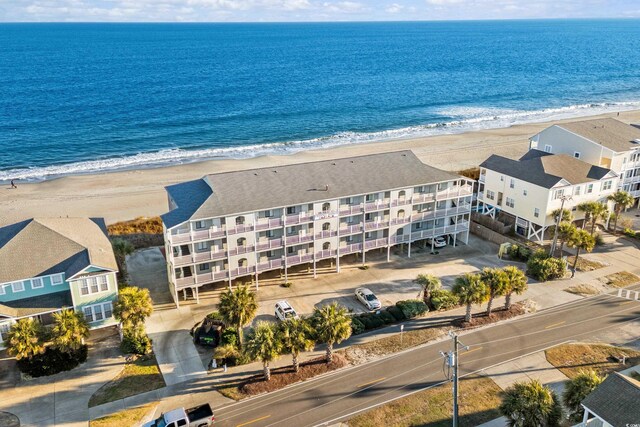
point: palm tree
(25, 339)
(238, 307)
(622, 200)
(581, 240)
(264, 344)
(133, 306)
(531, 405)
(69, 331)
(565, 217)
(587, 208)
(577, 389)
(599, 211)
(429, 284)
(516, 283)
(470, 289)
(565, 231)
(332, 325)
(295, 335)
(122, 248)
(496, 281)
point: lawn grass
(585, 264)
(570, 359)
(137, 377)
(128, 417)
(479, 402)
(582, 289)
(621, 279)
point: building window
(524, 192)
(558, 194)
(491, 195)
(203, 267)
(17, 287)
(291, 210)
(547, 148)
(326, 246)
(401, 213)
(371, 197)
(577, 190)
(240, 220)
(199, 225)
(576, 154)
(589, 188)
(291, 250)
(326, 207)
(202, 246)
(241, 242)
(93, 285)
(536, 212)
(510, 202)
(606, 185)
(269, 254)
(243, 262)
(269, 213)
(269, 234)
(37, 283)
(501, 177)
(2, 291)
(56, 279)
(512, 183)
(367, 235)
(402, 194)
(97, 312)
(326, 226)
(348, 201)
(419, 226)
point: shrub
(357, 327)
(364, 267)
(52, 361)
(286, 284)
(135, 342)
(443, 299)
(412, 308)
(542, 267)
(519, 253)
(229, 336)
(599, 239)
(630, 233)
(396, 313)
(386, 317)
(215, 315)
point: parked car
(438, 242)
(368, 298)
(198, 416)
(209, 332)
(284, 311)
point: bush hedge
(135, 343)
(519, 253)
(443, 299)
(403, 310)
(52, 361)
(543, 267)
(396, 313)
(412, 307)
(229, 336)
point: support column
(388, 252)
(197, 295)
(257, 274)
(454, 239)
(409, 248)
(433, 242)
(314, 267)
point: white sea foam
(466, 119)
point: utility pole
(558, 218)
(451, 359)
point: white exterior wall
(564, 142)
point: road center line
(555, 324)
(253, 421)
(371, 382)
(470, 351)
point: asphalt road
(340, 395)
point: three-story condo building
(240, 224)
(52, 264)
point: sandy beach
(125, 195)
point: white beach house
(531, 188)
(240, 224)
(607, 142)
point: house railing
(269, 244)
(377, 243)
(327, 253)
(299, 259)
(300, 238)
(270, 265)
(240, 229)
(326, 233)
(239, 250)
(267, 223)
(351, 209)
(298, 218)
(349, 249)
(350, 229)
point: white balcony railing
(327, 253)
(376, 206)
(270, 265)
(351, 209)
(350, 229)
(375, 225)
(269, 244)
(267, 223)
(300, 238)
(326, 233)
(376, 243)
(239, 250)
(240, 229)
(299, 259)
(352, 248)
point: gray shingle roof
(616, 400)
(36, 305)
(256, 189)
(545, 169)
(608, 132)
(42, 246)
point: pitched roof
(608, 132)
(41, 246)
(255, 189)
(546, 169)
(36, 305)
(616, 400)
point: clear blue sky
(309, 10)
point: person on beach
(13, 184)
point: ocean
(81, 98)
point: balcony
(400, 202)
(185, 282)
(270, 265)
(350, 229)
(240, 229)
(268, 223)
(208, 234)
(421, 198)
(239, 250)
(298, 238)
(299, 259)
(398, 221)
(376, 206)
(431, 232)
(242, 271)
(324, 215)
(439, 213)
(269, 244)
(298, 218)
(326, 233)
(375, 225)
(198, 257)
(351, 209)
(352, 248)
(482, 177)
(328, 253)
(377, 243)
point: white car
(368, 298)
(438, 242)
(284, 311)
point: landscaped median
(128, 417)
